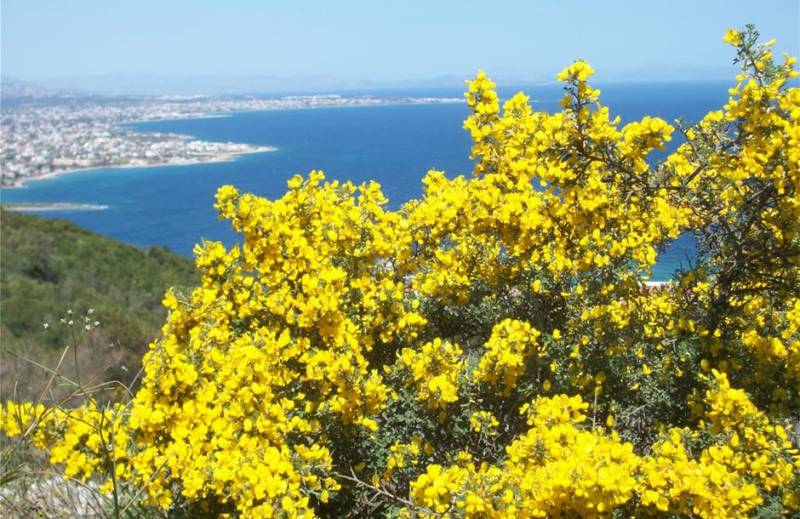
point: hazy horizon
(186, 47)
(124, 85)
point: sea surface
(395, 145)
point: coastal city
(49, 135)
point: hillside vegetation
(53, 267)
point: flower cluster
(506, 352)
(559, 467)
(433, 371)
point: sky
(345, 42)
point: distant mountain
(264, 84)
(218, 85)
(15, 92)
(12, 87)
(125, 84)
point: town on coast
(47, 134)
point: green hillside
(52, 270)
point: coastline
(226, 156)
(223, 157)
(383, 102)
(23, 207)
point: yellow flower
(733, 37)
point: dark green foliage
(49, 267)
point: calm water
(394, 145)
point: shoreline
(223, 157)
(421, 101)
(26, 207)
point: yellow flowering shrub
(490, 349)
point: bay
(394, 145)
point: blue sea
(394, 145)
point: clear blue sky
(381, 40)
